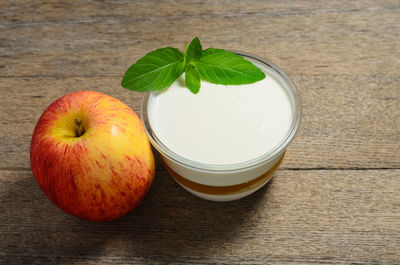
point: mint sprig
(160, 68)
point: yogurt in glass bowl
(225, 142)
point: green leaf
(192, 79)
(160, 68)
(156, 70)
(194, 51)
(224, 67)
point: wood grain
(348, 122)
(336, 198)
(103, 39)
(300, 217)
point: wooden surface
(336, 198)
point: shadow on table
(170, 224)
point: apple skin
(102, 174)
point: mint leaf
(156, 70)
(224, 67)
(194, 51)
(192, 79)
(160, 68)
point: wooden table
(336, 198)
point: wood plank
(336, 198)
(301, 217)
(16, 11)
(53, 38)
(348, 121)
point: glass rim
(292, 91)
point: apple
(91, 156)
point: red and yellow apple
(91, 157)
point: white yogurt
(222, 124)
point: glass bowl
(229, 181)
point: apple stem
(79, 127)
